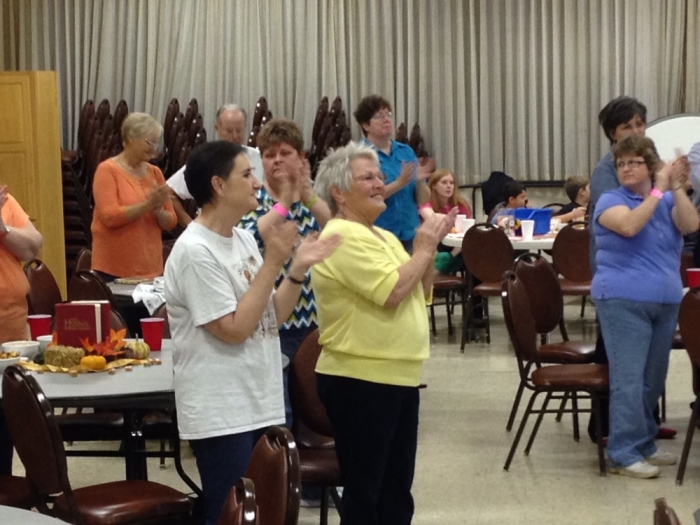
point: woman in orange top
(19, 241)
(132, 205)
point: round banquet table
(13, 516)
(544, 242)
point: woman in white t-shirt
(223, 318)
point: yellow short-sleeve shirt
(362, 338)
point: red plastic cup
(693, 275)
(152, 328)
(39, 325)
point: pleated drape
(511, 85)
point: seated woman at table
(638, 230)
(371, 314)
(132, 205)
(444, 196)
(19, 241)
(224, 316)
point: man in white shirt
(231, 125)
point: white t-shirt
(220, 388)
(179, 186)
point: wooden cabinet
(30, 157)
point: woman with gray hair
(373, 327)
(132, 205)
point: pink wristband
(280, 210)
(655, 192)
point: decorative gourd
(137, 350)
(94, 362)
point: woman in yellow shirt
(370, 296)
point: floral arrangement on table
(107, 356)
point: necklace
(136, 172)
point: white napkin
(147, 294)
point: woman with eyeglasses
(132, 205)
(371, 296)
(637, 291)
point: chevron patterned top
(304, 314)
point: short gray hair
(231, 107)
(335, 170)
(137, 125)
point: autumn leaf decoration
(108, 348)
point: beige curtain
(511, 85)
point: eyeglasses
(371, 177)
(382, 116)
(154, 145)
(633, 163)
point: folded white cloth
(151, 298)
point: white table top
(141, 380)
(122, 290)
(13, 516)
(537, 243)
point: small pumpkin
(94, 362)
(137, 350)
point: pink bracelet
(280, 210)
(656, 192)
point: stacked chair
(261, 116)
(330, 130)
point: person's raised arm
(425, 244)
(25, 242)
(684, 213)
(316, 205)
(238, 326)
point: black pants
(376, 435)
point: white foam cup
(527, 227)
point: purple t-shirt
(640, 268)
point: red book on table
(82, 320)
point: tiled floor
(463, 445)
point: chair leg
(562, 407)
(540, 417)
(516, 404)
(595, 405)
(432, 317)
(662, 414)
(562, 329)
(583, 306)
(162, 454)
(519, 433)
(574, 408)
(324, 506)
(688, 441)
(487, 319)
(464, 320)
(448, 300)
(336, 498)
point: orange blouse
(119, 246)
(14, 286)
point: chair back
(240, 507)
(487, 252)
(35, 433)
(44, 293)
(89, 286)
(519, 321)
(274, 469)
(116, 322)
(665, 515)
(83, 262)
(570, 252)
(543, 290)
(162, 313)
(690, 330)
(303, 395)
